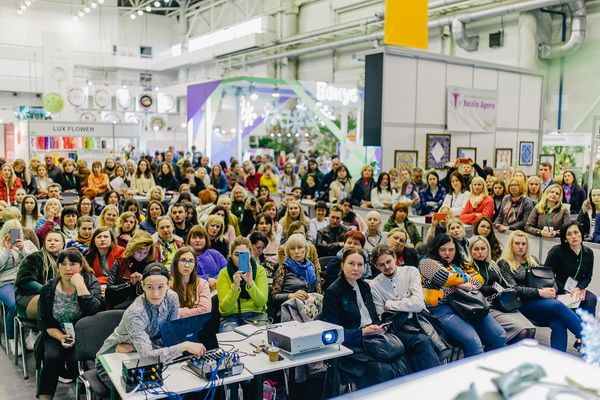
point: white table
(446, 381)
(175, 378)
(259, 364)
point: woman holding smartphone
(242, 288)
(64, 300)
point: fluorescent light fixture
(148, 8)
(87, 10)
(140, 12)
(93, 4)
(132, 16)
(236, 31)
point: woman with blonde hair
(534, 188)
(9, 183)
(124, 280)
(11, 255)
(51, 217)
(270, 209)
(215, 227)
(515, 207)
(288, 180)
(294, 212)
(537, 304)
(156, 193)
(517, 327)
(109, 217)
(34, 163)
(548, 215)
(480, 203)
(297, 276)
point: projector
(306, 337)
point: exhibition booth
(238, 117)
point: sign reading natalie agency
(471, 110)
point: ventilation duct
(578, 22)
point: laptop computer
(197, 329)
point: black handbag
(506, 301)
(470, 306)
(383, 348)
(540, 277)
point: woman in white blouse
(458, 196)
(383, 195)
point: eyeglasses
(186, 261)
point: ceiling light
(156, 88)
(132, 16)
(81, 14)
(124, 86)
(157, 3)
(140, 12)
(93, 4)
(90, 83)
(23, 7)
(27, 3)
(87, 10)
(101, 1)
(148, 8)
(20, 12)
(183, 125)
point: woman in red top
(9, 183)
(103, 252)
(479, 205)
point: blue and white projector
(295, 338)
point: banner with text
(472, 110)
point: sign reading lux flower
(471, 110)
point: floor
(12, 385)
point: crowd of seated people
(165, 234)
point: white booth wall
(414, 104)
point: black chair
(90, 334)
(325, 260)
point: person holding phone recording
(242, 287)
(13, 251)
(64, 300)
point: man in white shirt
(398, 295)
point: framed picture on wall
(503, 158)
(467, 152)
(547, 158)
(405, 159)
(437, 148)
(525, 153)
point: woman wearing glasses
(193, 291)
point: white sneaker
(30, 340)
(65, 380)
(11, 347)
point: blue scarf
(305, 270)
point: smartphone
(439, 216)
(463, 161)
(15, 235)
(385, 324)
(68, 342)
(244, 261)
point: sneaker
(11, 347)
(30, 340)
(65, 380)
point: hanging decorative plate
(146, 101)
(76, 97)
(110, 117)
(157, 123)
(87, 117)
(102, 98)
(123, 98)
(166, 103)
(133, 118)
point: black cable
(247, 337)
